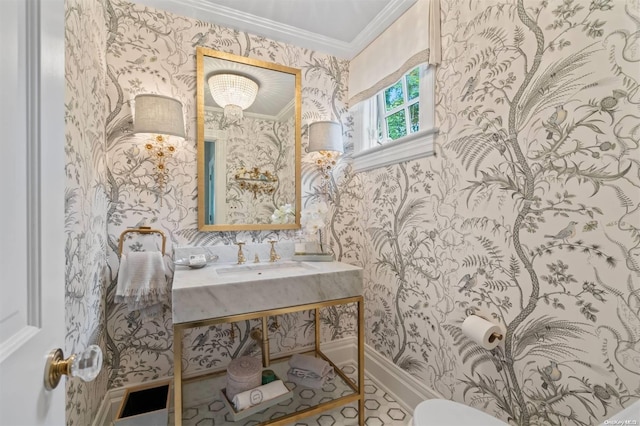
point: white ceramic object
(442, 412)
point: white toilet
(442, 412)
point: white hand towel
(311, 363)
(142, 284)
(309, 379)
(260, 394)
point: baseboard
(403, 387)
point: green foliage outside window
(401, 101)
(393, 96)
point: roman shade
(412, 39)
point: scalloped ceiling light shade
(233, 92)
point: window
(396, 125)
(399, 107)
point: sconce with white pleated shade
(233, 92)
(325, 137)
(160, 117)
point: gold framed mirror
(249, 143)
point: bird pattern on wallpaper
(86, 200)
(139, 351)
(507, 173)
(568, 231)
(531, 203)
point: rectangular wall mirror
(249, 123)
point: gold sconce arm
(256, 181)
(495, 336)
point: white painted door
(31, 208)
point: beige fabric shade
(159, 115)
(325, 136)
(413, 39)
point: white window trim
(369, 155)
(410, 147)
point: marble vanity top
(224, 289)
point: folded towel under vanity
(308, 379)
(309, 371)
(310, 363)
(259, 395)
(142, 283)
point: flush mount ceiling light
(233, 92)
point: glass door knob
(86, 366)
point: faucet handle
(273, 255)
(241, 258)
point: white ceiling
(338, 27)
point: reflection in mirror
(248, 149)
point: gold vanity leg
(265, 341)
(177, 376)
(361, 413)
(317, 336)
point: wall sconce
(256, 181)
(325, 137)
(160, 117)
(233, 92)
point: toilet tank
(442, 412)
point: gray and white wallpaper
(256, 142)
(149, 51)
(528, 213)
(86, 199)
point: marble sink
(275, 269)
(224, 289)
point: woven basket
(243, 374)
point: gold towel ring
(142, 230)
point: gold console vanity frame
(358, 388)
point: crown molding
(228, 17)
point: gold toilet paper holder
(494, 335)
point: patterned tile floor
(381, 409)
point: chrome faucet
(273, 255)
(241, 258)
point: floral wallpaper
(86, 200)
(528, 214)
(262, 143)
(151, 51)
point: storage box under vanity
(145, 405)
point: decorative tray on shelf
(196, 261)
(238, 415)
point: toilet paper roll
(480, 331)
